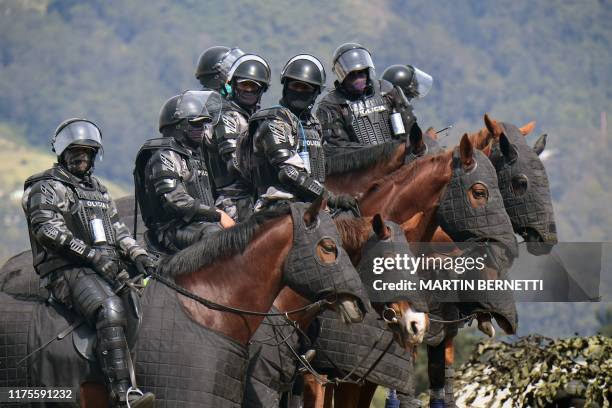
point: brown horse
(263, 386)
(411, 191)
(259, 256)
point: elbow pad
(301, 182)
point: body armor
(363, 121)
(87, 220)
(177, 165)
(314, 145)
(220, 151)
(277, 168)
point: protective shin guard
(449, 378)
(113, 354)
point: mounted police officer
(213, 67)
(282, 155)
(172, 183)
(79, 246)
(248, 78)
(361, 110)
(413, 82)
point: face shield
(199, 106)
(81, 133)
(420, 84)
(353, 60)
(227, 61)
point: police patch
(230, 124)
(281, 132)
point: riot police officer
(79, 243)
(172, 183)
(248, 79)
(361, 110)
(282, 155)
(413, 82)
(214, 65)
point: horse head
(318, 267)
(523, 183)
(406, 313)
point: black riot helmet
(351, 57)
(194, 106)
(253, 67)
(414, 82)
(308, 71)
(305, 68)
(76, 132)
(214, 65)
(249, 78)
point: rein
(223, 308)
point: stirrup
(132, 390)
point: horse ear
(431, 132)
(416, 137)
(492, 126)
(540, 144)
(311, 214)
(487, 150)
(528, 128)
(380, 228)
(506, 147)
(466, 151)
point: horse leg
(449, 371)
(347, 396)
(367, 393)
(314, 393)
(93, 395)
(328, 399)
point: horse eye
(328, 249)
(520, 184)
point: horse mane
(353, 231)
(436, 163)
(226, 242)
(359, 158)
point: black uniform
(350, 122)
(73, 222)
(269, 159)
(174, 193)
(220, 152)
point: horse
(183, 343)
(395, 195)
(272, 366)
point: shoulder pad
(333, 97)
(166, 143)
(54, 173)
(270, 113)
(101, 187)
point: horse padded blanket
(184, 364)
(347, 345)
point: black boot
(115, 360)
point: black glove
(106, 267)
(144, 263)
(343, 202)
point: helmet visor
(421, 83)
(227, 61)
(199, 106)
(80, 133)
(353, 60)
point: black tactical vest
(314, 144)
(196, 183)
(88, 219)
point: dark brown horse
(258, 257)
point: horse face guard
(305, 273)
(525, 190)
(489, 222)
(377, 248)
